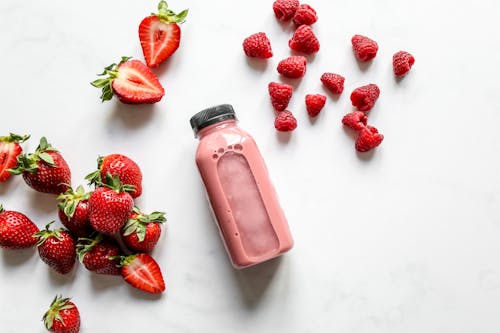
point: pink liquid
(250, 219)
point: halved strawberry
(9, 150)
(131, 81)
(160, 35)
(142, 272)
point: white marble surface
(403, 240)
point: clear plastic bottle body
(243, 199)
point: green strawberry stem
(85, 245)
(14, 138)
(29, 162)
(110, 72)
(95, 176)
(114, 183)
(57, 305)
(138, 224)
(45, 234)
(168, 16)
(124, 260)
(1, 208)
(68, 201)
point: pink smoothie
(249, 216)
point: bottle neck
(216, 127)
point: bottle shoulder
(227, 138)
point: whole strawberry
(160, 35)
(74, 211)
(62, 316)
(125, 168)
(10, 149)
(142, 231)
(258, 46)
(292, 67)
(131, 81)
(110, 205)
(142, 272)
(280, 95)
(97, 254)
(56, 248)
(45, 170)
(365, 49)
(304, 40)
(16, 230)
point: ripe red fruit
(364, 48)
(333, 82)
(304, 40)
(258, 46)
(142, 231)
(368, 139)
(314, 104)
(74, 211)
(142, 272)
(305, 14)
(16, 230)
(98, 255)
(10, 149)
(160, 35)
(45, 170)
(285, 9)
(285, 121)
(110, 206)
(125, 168)
(131, 81)
(402, 62)
(56, 248)
(355, 120)
(293, 67)
(62, 316)
(280, 95)
(364, 97)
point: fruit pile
(102, 228)
(305, 41)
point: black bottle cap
(211, 116)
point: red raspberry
(355, 120)
(305, 14)
(314, 104)
(304, 40)
(280, 95)
(402, 62)
(285, 9)
(334, 82)
(364, 97)
(285, 122)
(258, 46)
(368, 139)
(364, 48)
(293, 67)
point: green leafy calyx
(138, 222)
(169, 16)
(85, 245)
(12, 137)
(45, 234)
(94, 177)
(1, 208)
(69, 200)
(114, 183)
(29, 162)
(105, 83)
(58, 304)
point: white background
(404, 239)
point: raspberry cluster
(306, 42)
